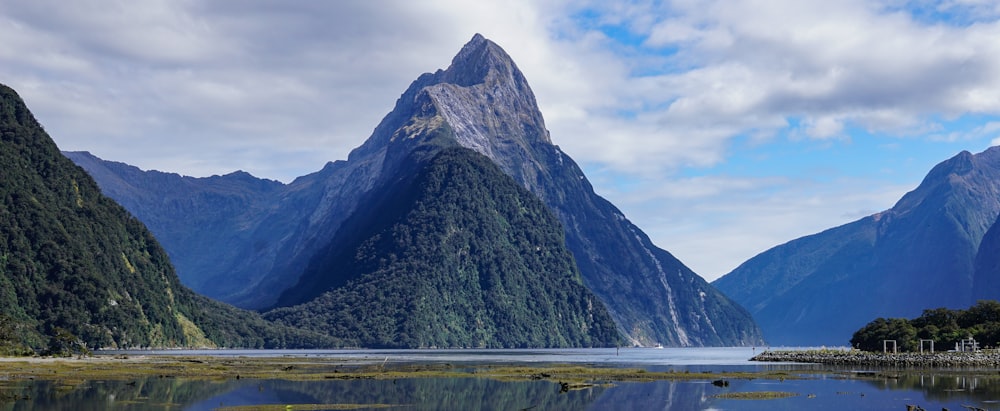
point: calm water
(824, 391)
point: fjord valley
(77, 267)
(457, 223)
(322, 241)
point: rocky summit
(481, 102)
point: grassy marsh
(71, 370)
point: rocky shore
(982, 358)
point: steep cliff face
(485, 103)
(920, 254)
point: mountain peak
(477, 60)
(481, 75)
(959, 167)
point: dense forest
(457, 254)
(944, 326)
(77, 271)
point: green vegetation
(11, 344)
(944, 326)
(457, 254)
(105, 368)
(78, 272)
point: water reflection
(980, 387)
(142, 394)
(826, 391)
(415, 394)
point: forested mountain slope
(74, 264)
(455, 254)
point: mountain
(481, 102)
(920, 254)
(986, 278)
(75, 265)
(201, 222)
(455, 254)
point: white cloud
(279, 88)
(323, 74)
(986, 131)
(829, 63)
(239, 84)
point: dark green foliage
(872, 336)
(946, 327)
(75, 266)
(63, 344)
(11, 337)
(456, 254)
(231, 327)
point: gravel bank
(984, 358)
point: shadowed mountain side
(986, 282)
(918, 255)
(198, 220)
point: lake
(824, 389)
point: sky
(720, 128)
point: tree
(985, 311)
(64, 344)
(945, 326)
(11, 343)
(871, 336)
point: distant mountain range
(75, 267)
(939, 246)
(262, 244)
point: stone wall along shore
(982, 358)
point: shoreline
(948, 359)
(316, 368)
